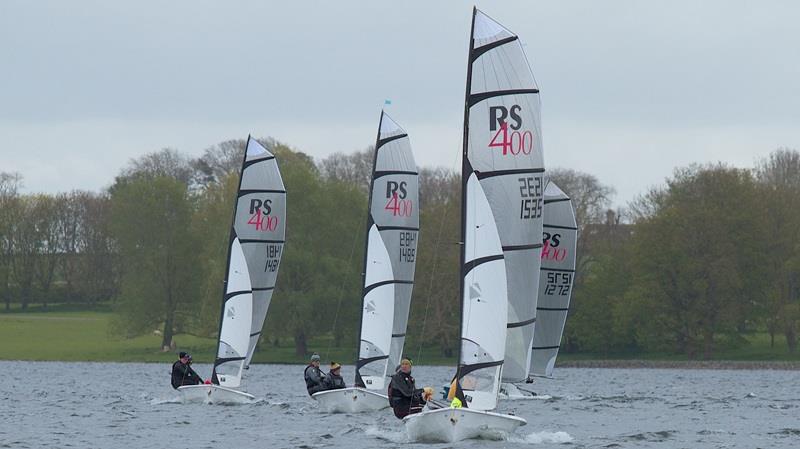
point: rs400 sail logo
(550, 247)
(260, 215)
(515, 142)
(398, 205)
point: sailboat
(388, 277)
(502, 201)
(255, 247)
(556, 279)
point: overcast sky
(630, 90)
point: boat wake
(525, 397)
(160, 401)
(543, 437)
(654, 437)
(391, 436)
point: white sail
(257, 238)
(390, 259)
(560, 237)
(377, 314)
(501, 195)
(237, 313)
(504, 149)
(260, 223)
(484, 302)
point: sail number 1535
(531, 202)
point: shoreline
(684, 364)
(780, 365)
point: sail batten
(390, 257)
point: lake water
(111, 405)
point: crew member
(182, 372)
(334, 381)
(314, 376)
(404, 397)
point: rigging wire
(447, 208)
(341, 293)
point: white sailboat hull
(448, 425)
(214, 394)
(350, 400)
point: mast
(466, 169)
(231, 238)
(358, 381)
(390, 256)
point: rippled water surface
(108, 405)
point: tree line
(687, 267)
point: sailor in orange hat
(334, 380)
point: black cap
(184, 354)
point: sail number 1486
(530, 191)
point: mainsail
(503, 147)
(260, 222)
(502, 188)
(256, 244)
(390, 259)
(556, 278)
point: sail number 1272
(531, 202)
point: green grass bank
(76, 335)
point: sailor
(404, 397)
(314, 376)
(182, 372)
(456, 395)
(334, 381)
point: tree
(435, 317)
(213, 226)
(697, 263)
(319, 285)
(9, 200)
(778, 176)
(603, 296)
(165, 163)
(590, 201)
(25, 245)
(354, 168)
(50, 245)
(151, 221)
(220, 160)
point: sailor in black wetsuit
(315, 378)
(404, 397)
(182, 372)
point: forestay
(390, 259)
(556, 278)
(504, 148)
(256, 246)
